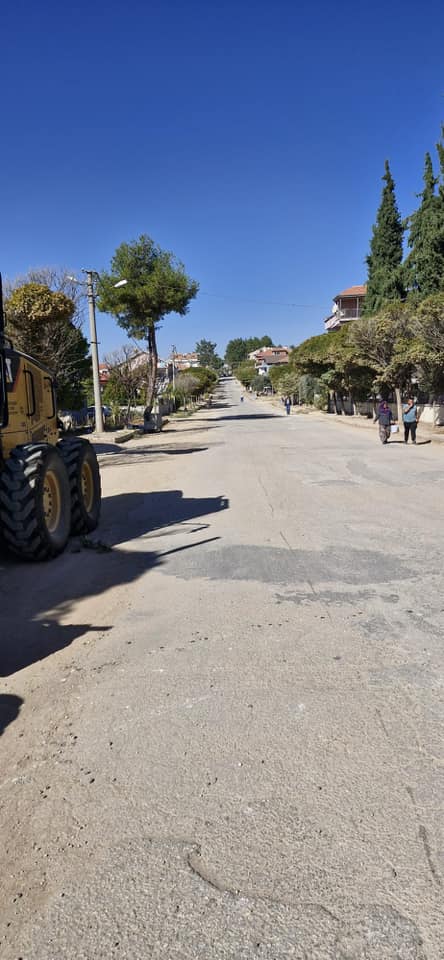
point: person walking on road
(385, 417)
(410, 418)
(287, 403)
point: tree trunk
(151, 374)
(338, 403)
(398, 404)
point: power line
(271, 303)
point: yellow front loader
(49, 487)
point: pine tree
(424, 267)
(385, 281)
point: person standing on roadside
(410, 418)
(287, 403)
(384, 417)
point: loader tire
(35, 501)
(80, 461)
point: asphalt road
(222, 738)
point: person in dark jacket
(287, 403)
(384, 417)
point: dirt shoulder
(426, 431)
(56, 618)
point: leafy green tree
(308, 387)
(424, 267)
(333, 362)
(206, 352)
(187, 386)
(59, 280)
(237, 350)
(289, 383)
(156, 286)
(259, 383)
(246, 372)
(86, 393)
(276, 374)
(312, 356)
(40, 322)
(385, 282)
(206, 378)
(428, 348)
(386, 343)
(255, 343)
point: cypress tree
(385, 281)
(424, 267)
(440, 149)
(440, 207)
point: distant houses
(104, 375)
(347, 305)
(184, 361)
(267, 357)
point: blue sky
(248, 138)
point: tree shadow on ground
(41, 623)
(9, 709)
(251, 416)
(210, 425)
(105, 448)
(112, 457)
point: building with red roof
(347, 305)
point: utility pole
(173, 354)
(89, 284)
(94, 350)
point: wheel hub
(87, 487)
(51, 501)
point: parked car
(72, 419)
(106, 411)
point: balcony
(349, 313)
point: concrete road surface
(222, 738)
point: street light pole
(89, 284)
(94, 350)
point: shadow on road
(40, 623)
(9, 709)
(251, 416)
(116, 457)
(130, 516)
(102, 448)
(419, 443)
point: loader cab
(3, 390)
(30, 403)
(48, 487)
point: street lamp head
(120, 283)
